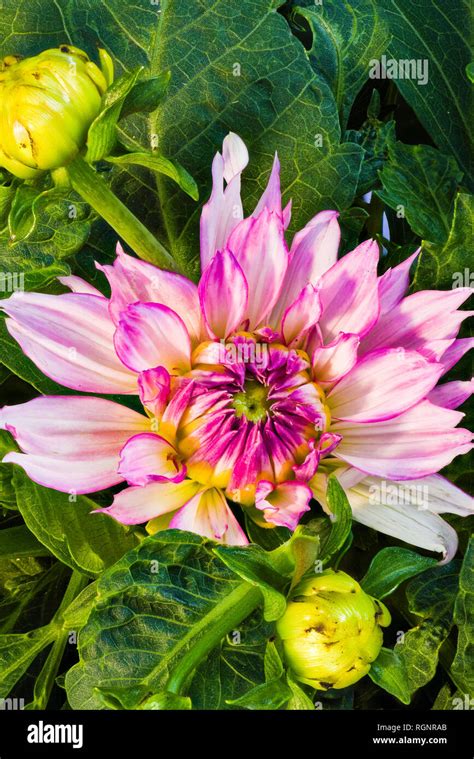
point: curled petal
(235, 155)
(70, 338)
(301, 315)
(283, 504)
(150, 335)
(333, 361)
(452, 394)
(223, 293)
(209, 514)
(383, 385)
(154, 390)
(135, 281)
(79, 285)
(150, 458)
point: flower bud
(47, 104)
(331, 630)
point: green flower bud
(331, 630)
(47, 104)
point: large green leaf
(17, 651)
(436, 32)
(463, 664)
(392, 566)
(413, 661)
(155, 606)
(244, 68)
(346, 38)
(65, 525)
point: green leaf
(157, 605)
(266, 538)
(423, 182)
(17, 651)
(268, 696)
(434, 32)
(146, 95)
(462, 666)
(392, 566)
(244, 67)
(413, 661)
(346, 38)
(444, 265)
(102, 136)
(161, 165)
(375, 137)
(75, 615)
(299, 701)
(166, 701)
(16, 542)
(341, 519)
(272, 663)
(65, 525)
(253, 564)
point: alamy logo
(391, 68)
(45, 733)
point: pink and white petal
(150, 335)
(383, 385)
(425, 316)
(149, 458)
(301, 315)
(235, 155)
(132, 281)
(79, 285)
(415, 444)
(456, 351)
(452, 394)
(209, 514)
(154, 390)
(333, 361)
(349, 293)
(393, 285)
(137, 505)
(284, 504)
(70, 338)
(313, 251)
(223, 294)
(260, 249)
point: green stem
(227, 615)
(98, 194)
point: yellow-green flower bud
(47, 104)
(331, 630)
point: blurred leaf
(392, 566)
(435, 32)
(463, 664)
(346, 38)
(423, 182)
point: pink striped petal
(223, 293)
(284, 504)
(333, 361)
(452, 394)
(313, 251)
(137, 505)
(132, 281)
(428, 315)
(79, 285)
(417, 443)
(260, 249)
(154, 390)
(349, 293)
(394, 283)
(149, 458)
(71, 443)
(383, 385)
(70, 339)
(150, 335)
(301, 315)
(209, 514)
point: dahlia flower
(331, 630)
(280, 367)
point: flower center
(252, 401)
